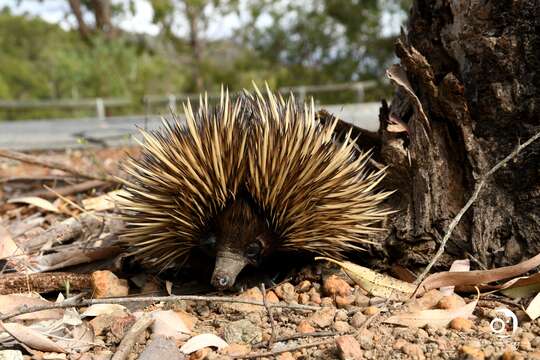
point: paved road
(58, 134)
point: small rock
(106, 284)
(286, 292)
(121, 325)
(341, 315)
(429, 300)
(271, 297)
(314, 296)
(525, 345)
(489, 351)
(511, 355)
(323, 317)
(327, 301)
(361, 299)
(365, 338)
(399, 344)
(242, 332)
(303, 299)
(442, 344)
(471, 353)
(161, 348)
(342, 326)
(461, 324)
(535, 343)
(234, 350)
(104, 322)
(285, 356)
(201, 354)
(414, 351)
(348, 348)
(334, 285)
(305, 327)
(304, 286)
(451, 302)
(534, 355)
(254, 294)
(344, 301)
(421, 334)
(358, 320)
(371, 310)
(102, 355)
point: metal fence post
(360, 92)
(100, 109)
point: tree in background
(102, 11)
(283, 42)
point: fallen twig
(473, 198)
(300, 336)
(52, 165)
(271, 354)
(65, 230)
(172, 298)
(270, 317)
(43, 282)
(126, 345)
(68, 190)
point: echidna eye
(253, 250)
(208, 242)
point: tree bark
(84, 31)
(102, 14)
(474, 66)
(194, 14)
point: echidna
(246, 178)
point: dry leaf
(8, 247)
(520, 287)
(376, 284)
(201, 341)
(103, 309)
(170, 324)
(458, 265)
(168, 286)
(103, 202)
(478, 277)
(36, 201)
(12, 303)
(533, 310)
(433, 317)
(31, 338)
(82, 339)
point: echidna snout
(241, 238)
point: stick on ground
(155, 299)
(270, 317)
(52, 165)
(126, 345)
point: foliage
(282, 42)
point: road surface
(72, 133)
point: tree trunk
(194, 14)
(102, 14)
(474, 66)
(84, 31)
